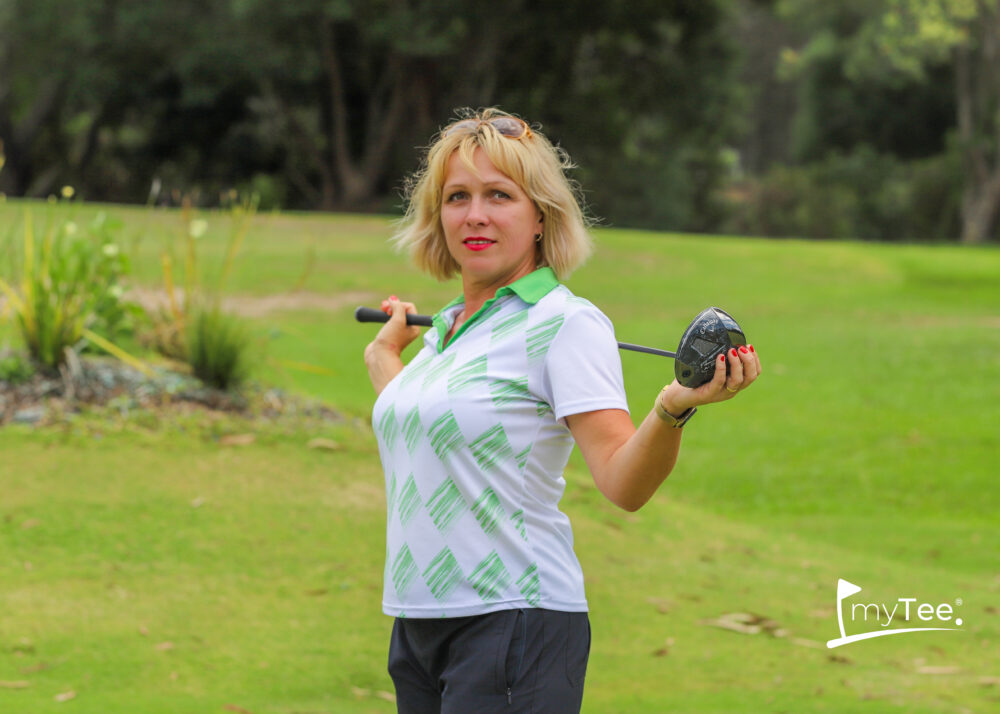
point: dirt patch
(260, 305)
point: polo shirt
(473, 441)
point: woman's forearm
(383, 364)
(635, 471)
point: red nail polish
(744, 350)
(751, 348)
(722, 358)
(734, 352)
(393, 297)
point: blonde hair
(532, 162)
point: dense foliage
(784, 117)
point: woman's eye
(457, 196)
(500, 194)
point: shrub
(68, 288)
(218, 347)
(15, 368)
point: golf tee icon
(845, 590)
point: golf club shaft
(369, 314)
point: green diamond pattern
(490, 447)
(414, 371)
(391, 496)
(518, 520)
(521, 457)
(443, 575)
(445, 435)
(529, 585)
(490, 578)
(438, 369)
(404, 569)
(509, 325)
(540, 337)
(488, 511)
(389, 427)
(409, 501)
(412, 429)
(446, 505)
(464, 376)
(506, 391)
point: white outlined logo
(924, 611)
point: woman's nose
(477, 214)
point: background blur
(871, 119)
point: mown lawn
(146, 567)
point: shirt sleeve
(583, 370)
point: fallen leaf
(234, 708)
(40, 667)
(164, 646)
(237, 439)
(802, 642)
(747, 623)
(14, 685)
(665, 650)
(198, 502)
(321, 443)
(143, 631)
(65, 696)
(938, 670)
(387, 696)
(989, 681)
(840, 659)
(359, 692)
(316, 593)
(31, 523)
(662, 606)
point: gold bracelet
(675, 421)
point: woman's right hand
(395, 334)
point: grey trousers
(511, 661)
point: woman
(475, 431)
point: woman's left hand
(744, 368)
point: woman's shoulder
(562, 305)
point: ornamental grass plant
(65, 291)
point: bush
(68, 287)
(861, 194)
(218, 347)
(15, 368)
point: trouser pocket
(510, 659)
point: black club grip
(370, 314)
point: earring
(538, 237)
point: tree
(891, 42)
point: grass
(155, 570)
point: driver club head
(711, 333)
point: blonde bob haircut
(531, 161)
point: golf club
(711, 333)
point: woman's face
(489, 222)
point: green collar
(531, 288)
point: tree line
(875, 119)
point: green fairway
(152, 569)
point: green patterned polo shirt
(473, 441)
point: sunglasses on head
(511, 127)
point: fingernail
(751, 348)
(744, 350)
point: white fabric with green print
(473, 441)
